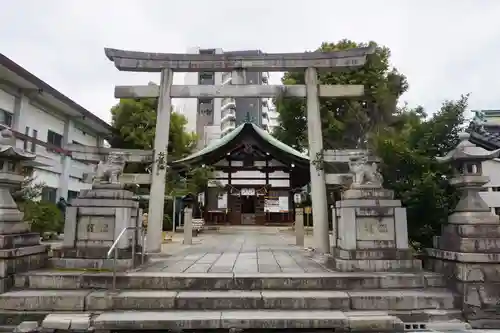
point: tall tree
(345, 122)
(408, 150)
(134, 122)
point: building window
(5, 118)
(49, 194)
(72, 195)
(27, 133)
(33, 143)
(206, 78)
(206, 106)
(495, 189)
(54, 138)
(207, 51)
(497, 211)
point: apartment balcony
(265, 77)
(228, 103)
(226, 78)
(227, 127)
(228, 114)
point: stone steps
(53, 279)
(356, 301)
(413, 317)
(91, 300)
(245, 319)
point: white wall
(42, 120)
(7, 101)
(212, 133)
(492, 196)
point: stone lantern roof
(468, 151)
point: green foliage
(44, 217)
(406, 139)
(408, 150)
(29, 189)
(134, 122)
(345, 122)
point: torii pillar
(321, 232)
(159, 168)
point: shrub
(44, 217)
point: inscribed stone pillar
(159, 168)
(318, 184)
(299, 226)
(188, 226)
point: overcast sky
(445, 47)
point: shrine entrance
(238, 65)
(248, 210)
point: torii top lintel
(133, 61)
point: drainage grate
(416, 327)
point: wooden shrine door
(234, 204)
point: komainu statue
(363, 172)
(110, 170)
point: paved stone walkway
(241, 250)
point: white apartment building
(488, 136)
(491, 193)
(44, 120)
(213, 118)
(272, 118)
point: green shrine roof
(237, 132)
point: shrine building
(254, 178)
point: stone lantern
(468, 250)
(20, 248)
(466, 160)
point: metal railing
(113, 250)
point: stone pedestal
(372, 232)
(20, 249)
(468, 250)
(468, 254)
(93, 222)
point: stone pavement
(239, 250)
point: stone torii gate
(168, 63)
